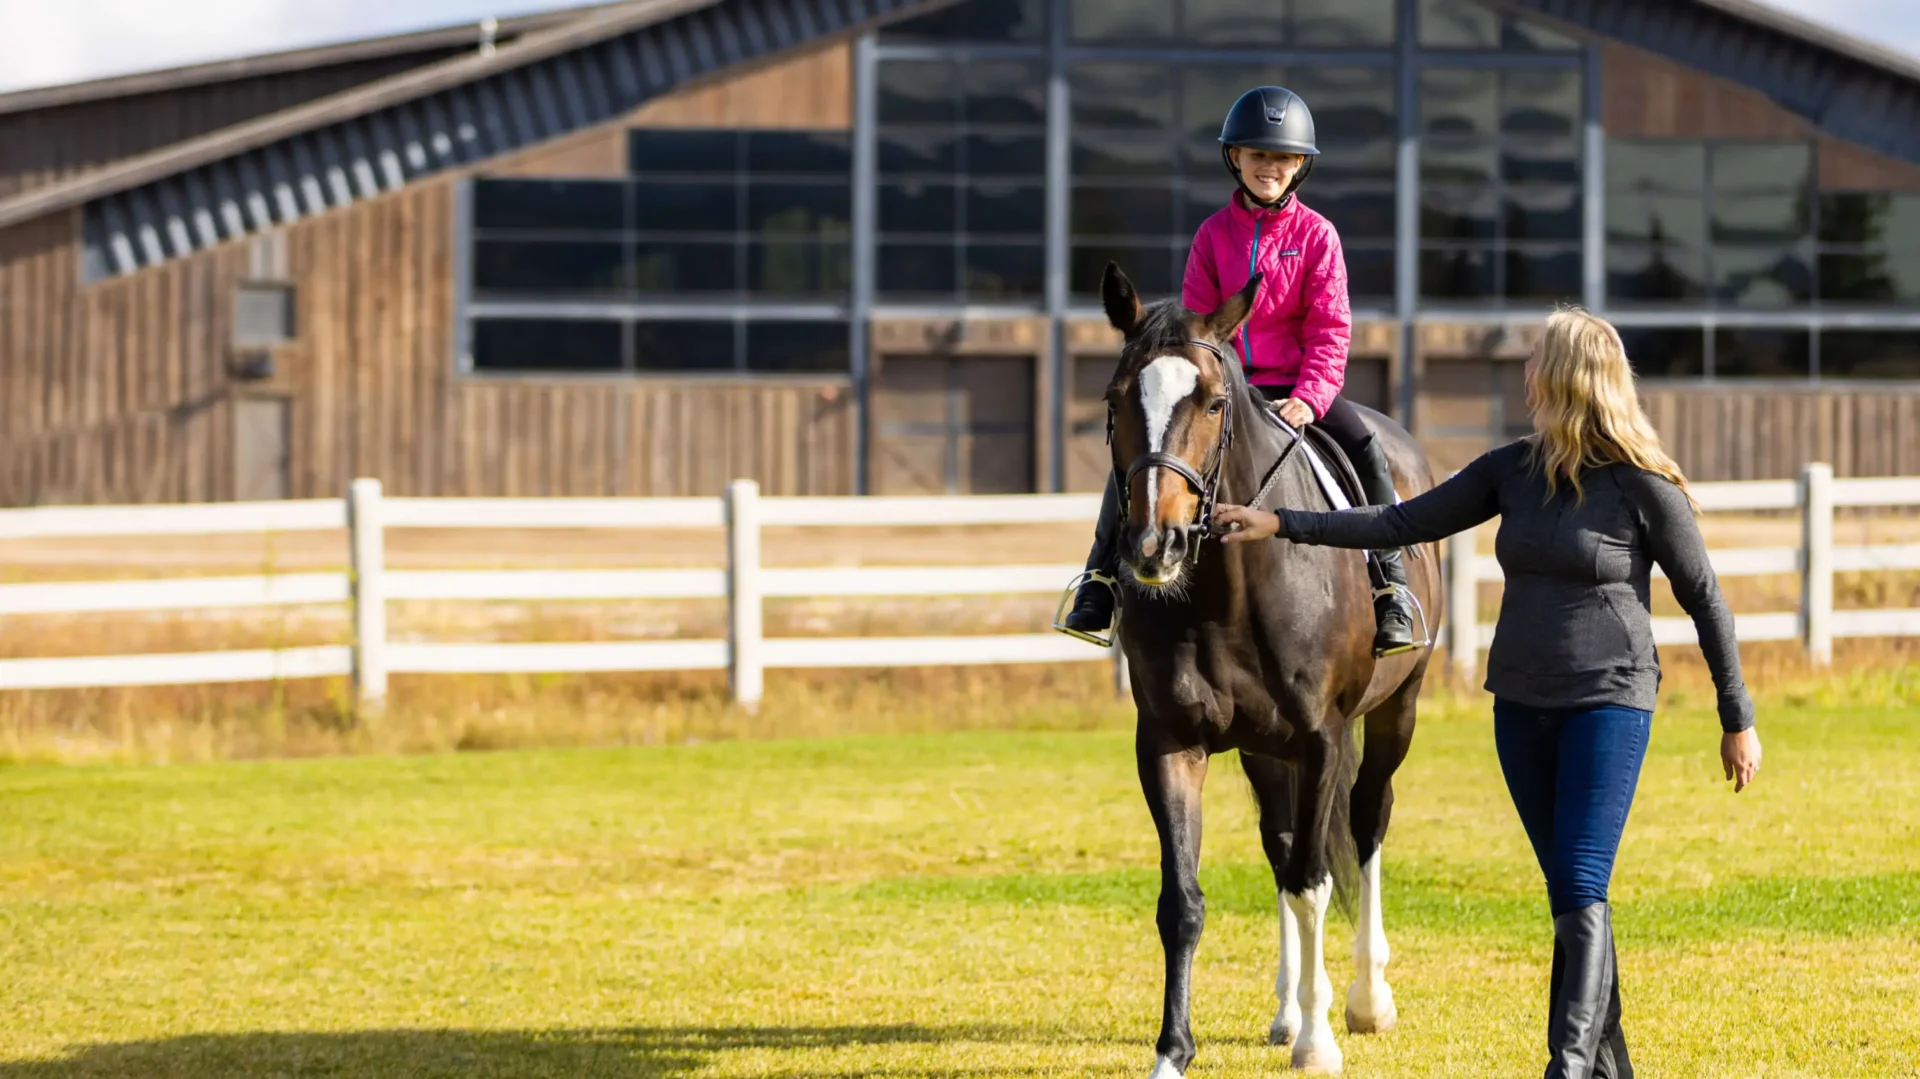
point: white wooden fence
(745, 583)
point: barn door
(953, 425)
(261, 454)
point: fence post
(745, 674)
(1816, 561)
(367, 537)
(1463, 604)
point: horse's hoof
(1378, 1024)
(1283, 1029)
(1164, 1069)
(1318, 1060)
(1370, 1010)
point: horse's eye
(1218, 406)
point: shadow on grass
(620, 1053)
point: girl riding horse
(1294, 344)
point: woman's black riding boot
(1093, 604)
(1393, 607)
(1582, 1000)
(1612, 1062)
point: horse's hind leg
(1172, 782)
(1272, 781)
(1389, 731)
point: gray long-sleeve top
(1574, 627)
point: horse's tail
(1343, 857)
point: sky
(48, 42)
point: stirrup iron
(1426, 632)
(1094, 576)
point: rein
(1205, 482)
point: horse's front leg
(1172, 779)
(1309, 888)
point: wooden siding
(812, 90)
(1649, 96)
(45, 146)
(1727, 431)
(1847, 167)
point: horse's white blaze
(1164, 1069)
(1315, 1049)
(1164, 383)
(1286, 986)
(1369, 999)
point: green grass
(972, 904)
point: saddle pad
(1336, 495)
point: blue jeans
(1572, 772)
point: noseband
(1205, 482)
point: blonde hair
(1586, 412)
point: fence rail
(745, 583)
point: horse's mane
(1164, 327)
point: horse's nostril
(1176, 543)
(1149, 544)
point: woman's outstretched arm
(1466, 499)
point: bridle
(1205, 481)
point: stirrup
(1426, 633)
(1060, 613)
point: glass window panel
(1889, 354)
(517, 344)
(1007, 155)
(1543, 273)
(1660, 273)
(1657, 218)
(796, 209)
(1538, 103)
(935, 151)
(1201, 201)
(1207, 91)
(685, 267)
(1457, 273)
(919, 92)
(1004, 91)
(799, 268)
(918, 207)
(652, 150)
(1761, 166)
(1344, 24)
(1349, 102)
(1762, 277)
(1234, 22)
(799, 151)
(685, 207)
(1123, 211)
(1121, 153)
(1544, 213)
(1357, 214)
(1150, 267)
(917, 269)
(1458, 214)
(1349, 162)
(1876, 218)
(683, 345)
(976, 20)
(1756, 353)
(781, 347)
(1526, 37)
(1541, 160)
(1006, 208)
(1675, 165)
(1458, 161)
(1122, 95)
(1664, 353)
(1003, 271)
(1873, 277)
(581, 205)
(548, 266)
(1760, 219)
(1458, 24)
(1459, 102)
(1369, 271)
(1121, 20)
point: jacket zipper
(1246, 328)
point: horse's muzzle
(1157, 555)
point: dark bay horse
(1265, 648)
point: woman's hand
(1740, 756)
(1296, 412)
(1242, 525)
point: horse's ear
(1123, 304)
(1226, 319)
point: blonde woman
(1588, 505)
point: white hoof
(1319, 1056)
(1164, 1069)
(1285, 1026)
(1371, 1010)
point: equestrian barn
(852, 246)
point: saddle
(1331, 467)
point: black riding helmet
(1269, 118)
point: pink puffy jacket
(1302, 322)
